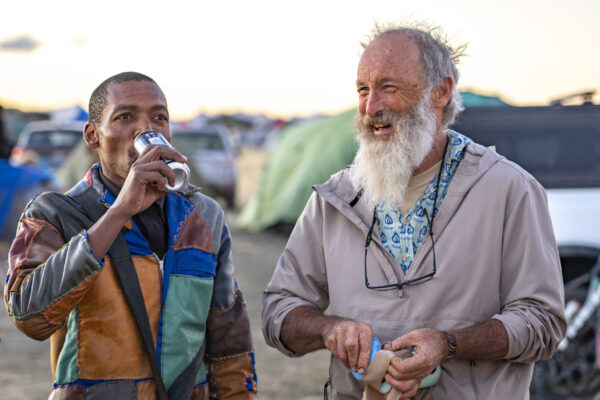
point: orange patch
(110, 346)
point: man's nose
(373, 104)
(144, 125)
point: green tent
(307, 154)
(471, 99)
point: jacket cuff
(84, 234)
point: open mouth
(381, 129)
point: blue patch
(249, 385)
(7, 277)
(178, 208)
(194, 262)
(137, 242)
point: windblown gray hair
(439, 59)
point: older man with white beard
(429, 242)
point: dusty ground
(25, 366)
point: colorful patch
(184, 324)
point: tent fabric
(471, 99)
(306, 154)
(17, 186)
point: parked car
(50, 140)
(560, 147)
(211, 155)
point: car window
(556, 159)
(559, 146)
(60, 138)
(193, 142)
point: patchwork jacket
(56, 287)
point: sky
(283, 58)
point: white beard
(383, 167)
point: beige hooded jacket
(496, 258)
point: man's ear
(442, 93)
(91, 135)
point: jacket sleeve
(300, 278)
(229, 353)
(531, 283)
(46, 277)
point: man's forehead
(393, 47)
(133, 92)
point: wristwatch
(451, 340)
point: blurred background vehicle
(560, 146)
(51, 140)
(210, 154)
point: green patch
(184, 324)
(67, 369)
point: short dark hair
(98, 97)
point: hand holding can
(181, 170)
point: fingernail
(361, 371)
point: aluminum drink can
(181, 171)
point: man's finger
(157, 152)
(408, 387)
(352, 346)
(341, 348)
(365, 338)
(402, 342)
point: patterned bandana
(401, 234)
